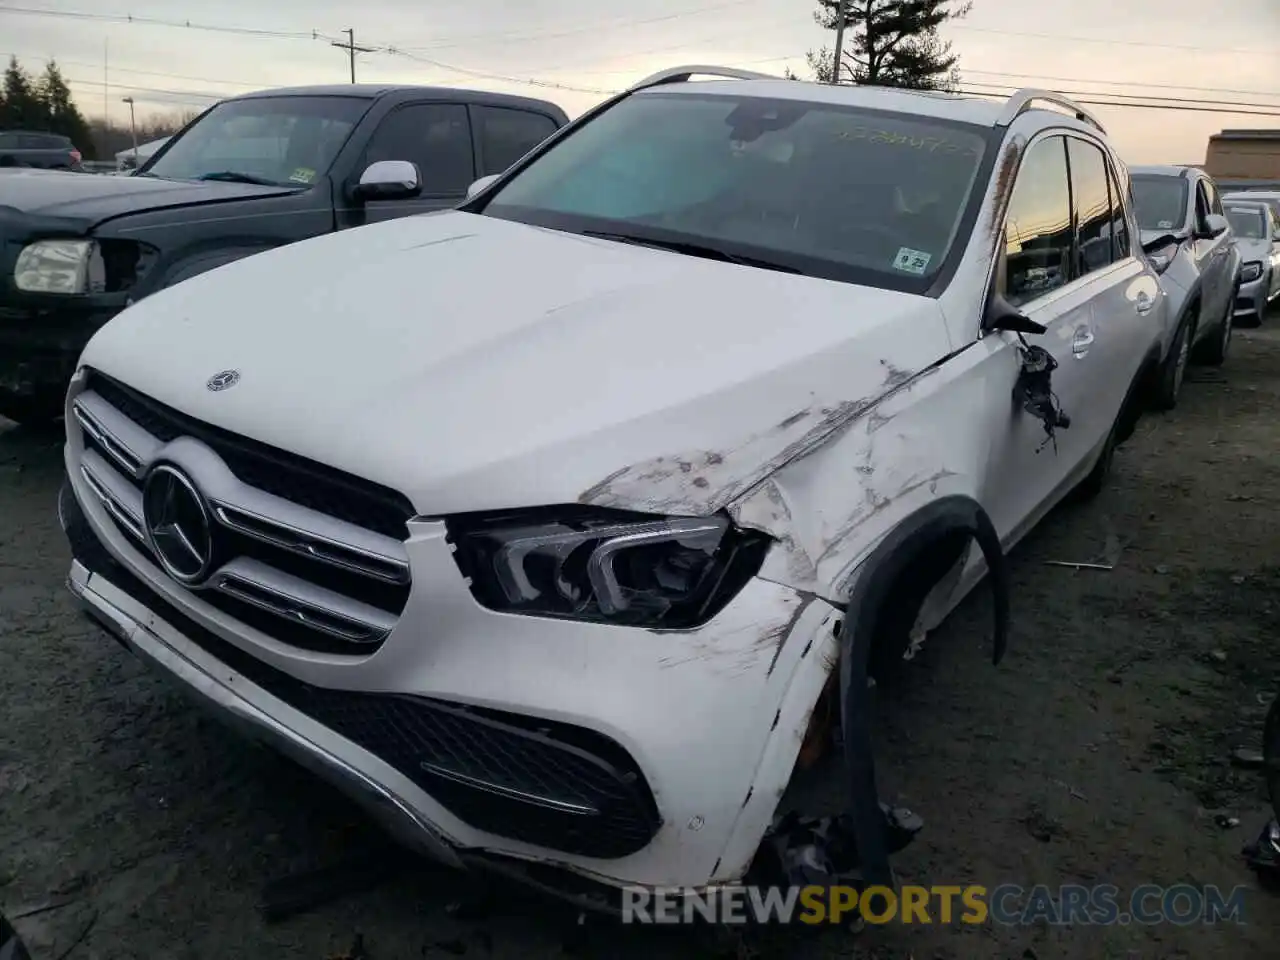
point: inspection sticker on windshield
(1165, 225)
(302, 175)
(911, 261)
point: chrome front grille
(298, 574)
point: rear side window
(8, 141)
(1092, 202)
(41, 141)
(435, 136)
(505, 135)
(1038, 229)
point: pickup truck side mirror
(389, 180)
(1215, 225)
(480, 185)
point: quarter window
(1038, 228)
(1091, 199)
(506, 135)
(1120, 200)
(435, 136)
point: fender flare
(888, 562)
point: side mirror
(389, 180)
(1215, 225)
(481, 185)
(1003, 315)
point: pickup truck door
(434, 135)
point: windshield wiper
(708, 251)
(234, 176)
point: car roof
(1253, 196)
(373, 91)
(1162, 170)
(943, 106)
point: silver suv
(1199, 266)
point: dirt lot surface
(1099, 752)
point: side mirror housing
(481, 185)
(389, 180)
(1215, 225)
(1002, 315)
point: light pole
(133, 127)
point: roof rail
(681, 74)
(1023, 100)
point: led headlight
(606, 566)
(1250, 271)
(58, 266)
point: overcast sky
(1223, 50)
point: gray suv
(1199, 267)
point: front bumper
(1251, 299)
(714, 719)
(41, 341)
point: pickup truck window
(435, 136)
(506, 135)
(275, 140)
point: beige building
(1244, 157)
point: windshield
(1247, 222)
(1161, 201)
(275, 140)
(812, 188)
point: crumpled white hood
(474, 363)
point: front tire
(1173, 370)
(1215, 351)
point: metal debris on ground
(818, 851)
(1263, 854)
(1225, 822)
(1079, 566)
(1247, 758)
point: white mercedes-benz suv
(545, 525)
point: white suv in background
(543, 525)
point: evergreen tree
(61, 114)
(890, 43)
(20, 106)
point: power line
(141, 73)
(1146, 97)
(1256, 51)
(520, 37)
(1174, 107)
(481, 75)
(1121, 83)
(159, 22)
(201, 99)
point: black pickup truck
(46, 151)
(251, 173)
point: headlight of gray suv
(59, 266)
(1250, 271)
(605, 566)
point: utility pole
(843, 10)
(352, 49)
(106, 87)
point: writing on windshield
(812, 187)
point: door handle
(1144, 303)
(1081, 342)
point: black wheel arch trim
(886, 564)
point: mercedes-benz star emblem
(223, 381)
(179, 528)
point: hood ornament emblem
(223, 381)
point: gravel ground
(1097, 753)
